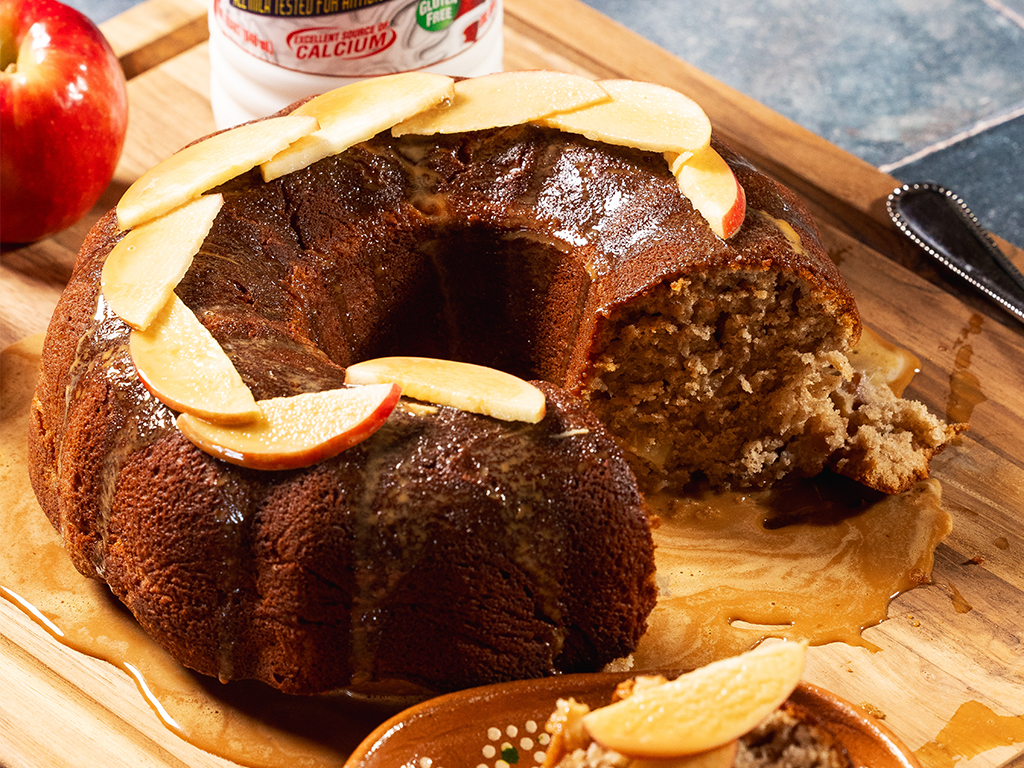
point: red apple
(63, 116)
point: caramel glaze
(260, 565)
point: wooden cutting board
(960, 640)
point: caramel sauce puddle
(885, 361)
(973, 729)
(964, 386)
(818, 560)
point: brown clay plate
(482, 727)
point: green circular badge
(436, 15)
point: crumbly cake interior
(738, 378)
(726, 375)
(891, 439)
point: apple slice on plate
(641, 115)
(505, 98)
(701, 710)
(468, 387)
(297, 431)
(709, 183)
(358, 112)
(202, 166)
(141, 271)
(180, 362)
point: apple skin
(709, 183)
(297, 431)
(733, 219)
(63, 117)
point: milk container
(265, 54)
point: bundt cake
(449, 548)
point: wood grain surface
(929, 665)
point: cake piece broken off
(733, 364)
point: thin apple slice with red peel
(180, 362)
(505, 98)
(468, 387)
(202, 166)
(141, 271)
(641, 115)
(701, 710)
(709, 183)
(358, 112)
(297, 431)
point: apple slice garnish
(141, 271)
(297, 431)
(180, 362)
(709, 183)
(641, 115)
(505, 98)
(468, 387)
(202, 166)
(701, 710)
(358, 112)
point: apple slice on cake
(358, 112)
(180, 362)
(202, 166)
(141, 271)
(709, 183)
(297, 431)
(468, 387)
(640, 115)
(503, 99)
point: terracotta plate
(481, 727)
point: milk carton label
(354, 37)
